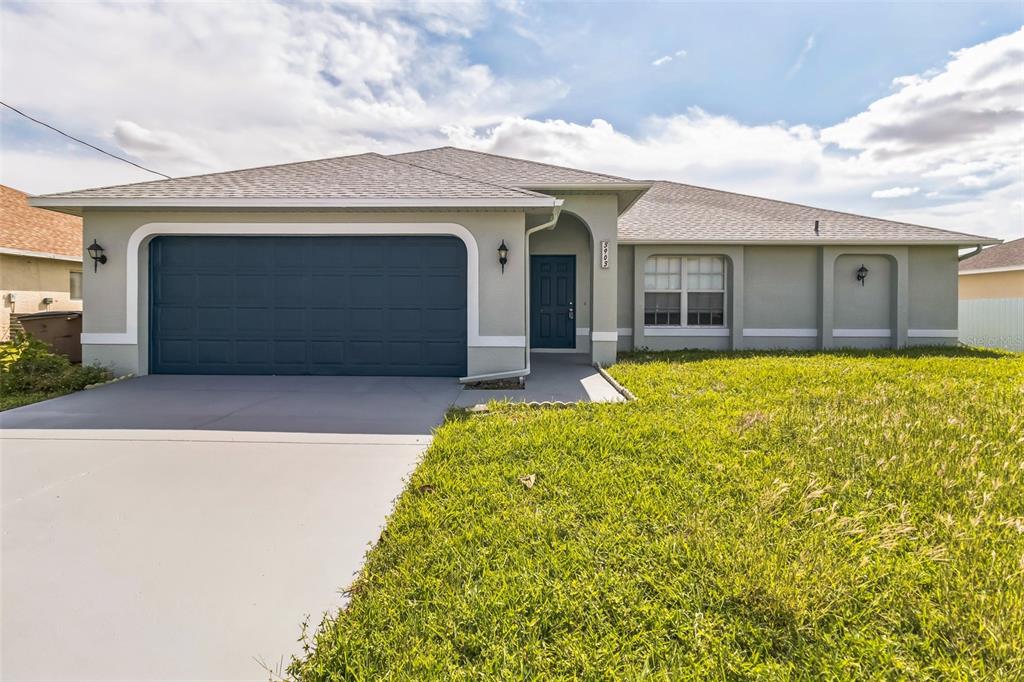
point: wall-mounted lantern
(97, 255)
(503, 255)
(862, 274)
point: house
(992, 297)
(460, 263)
(40, 260)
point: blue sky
(912, 111)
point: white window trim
(131, 334)
(683, 299)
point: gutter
(977, 250)
(525, 371)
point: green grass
(750, 516)
(8, 401)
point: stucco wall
(31, 280)
(501, 309)
(571, 238)
(625, 296)
(807, 297)
(992, 285)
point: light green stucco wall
(501, 309)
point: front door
(553, 301)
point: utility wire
(91, 146)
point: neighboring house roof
(506, 170)
(674, 212)
(1008, 256)
(358, 180)
(37, 232)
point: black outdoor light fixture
(97, 255)
(862, 274)
(503, 255)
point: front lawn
(765, 516)
(30, 372)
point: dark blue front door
(308, 305)
(553, 301)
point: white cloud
(661, 61)
(799, 63)
(894, 192)
(242, 84)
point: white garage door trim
(131, 334)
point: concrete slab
(554, 377)
(403, 405)
(182, 555)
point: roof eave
(39, 254)
(986, 271)
(74, 205)
(957, 242)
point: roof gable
(23, 228)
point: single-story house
(461, 263)
(992, 297)
(40, 260)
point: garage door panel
(308, 305)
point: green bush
(27, 365)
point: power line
(91, 146)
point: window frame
(81, 285)
(684, 290)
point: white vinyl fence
(992, 322)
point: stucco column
(826, 301)
(735, 256)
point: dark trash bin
(61, 329)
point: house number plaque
(604, 255)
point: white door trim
(131, 334)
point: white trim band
(604, 336)
(499, 342)
(582, 331)
(686, 331)
(787, 333)
(934, 333)
(625, 331)
(862, 333)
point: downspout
(977, 250)
(525, 371)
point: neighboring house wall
(109, 339)
(31, 280)
(992, 309)
(1006, 284)
(808, 297)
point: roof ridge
(525, 192)
(516, 158)
(817, 208)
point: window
(75, 285)
(684, 287)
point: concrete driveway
(181, 528)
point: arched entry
(560, 287)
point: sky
(912, 111)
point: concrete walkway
(555, 377)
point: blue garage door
(308, 305)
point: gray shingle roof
(504, 170)
(671, 211)
(1008, 255)
(362, 176)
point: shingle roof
(671, 211)
(1008, 255)
(361, 176)
(34, 229)
(504, 170)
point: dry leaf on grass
(528, 480)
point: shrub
(27, 365)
